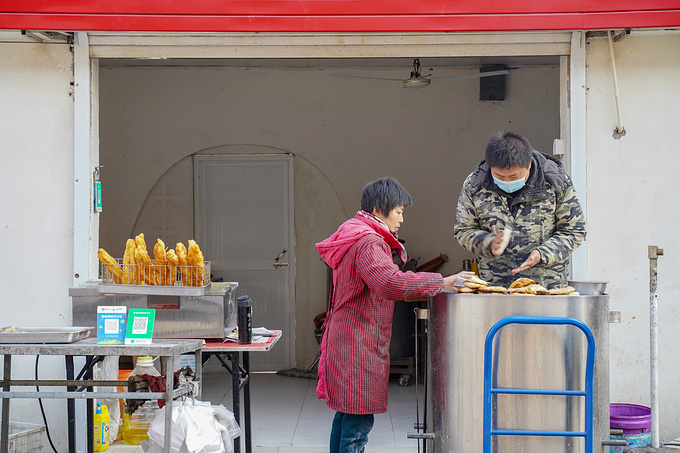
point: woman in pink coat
(355, 361)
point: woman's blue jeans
(350, 432)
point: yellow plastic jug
(102, 419)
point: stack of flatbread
(477, 285)
(564, 291)
(522, 285)
(525, 285)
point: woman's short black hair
(508, 150)
(384, 194)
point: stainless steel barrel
(524, 356)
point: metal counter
(210, 315)
(524, 356)
(87, 388)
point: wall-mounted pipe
(619, 130)
(653, 253)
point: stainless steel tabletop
(89, 346)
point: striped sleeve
(377, 270)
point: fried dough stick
(111, 265)
(182, 258)
(160, 262)
(140, 269)
(139, 240)
(173, 261)
(143, 261)
(195, 259)
(128, 259)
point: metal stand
(83, 389)
(235, 358)
(421, 314)
(489, 390)
(240, 380)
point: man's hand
(534, 259)
(500, 242)
(451, 280)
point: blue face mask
(510, 186)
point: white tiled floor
(287, 416)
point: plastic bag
(196, 427)
(227, 423)
(108, 370)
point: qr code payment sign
(139, 326)
(111, 325)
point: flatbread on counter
(534, 289)
(466, 290)
(522, 285)
(492, 289)
(564, 291)
(522, 281)
(472, 285)
(540, 289)
(475, 282)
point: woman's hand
(451, 280)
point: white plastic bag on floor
(228, 426)
(156, 432)
(197, 427)
(107, 370)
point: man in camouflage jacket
(526, 191)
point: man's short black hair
(384, 194)
(508, 150)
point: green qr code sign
(140, 325)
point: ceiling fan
(418, 80)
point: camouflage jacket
(544, 215)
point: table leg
(71, 405)
(199, 372)
(246, 401)
(169, 386)
(90, 407)
(4, 431)
(235, 391)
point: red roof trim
(336, 15)
(528, 22)
(330, 7)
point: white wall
(36, 204)
(633, 203)
(343, 132)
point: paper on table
(263, 331)
(260, 335)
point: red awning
(335, 15)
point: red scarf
(333, 249)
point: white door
(244, 222)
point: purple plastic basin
(632, 418)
